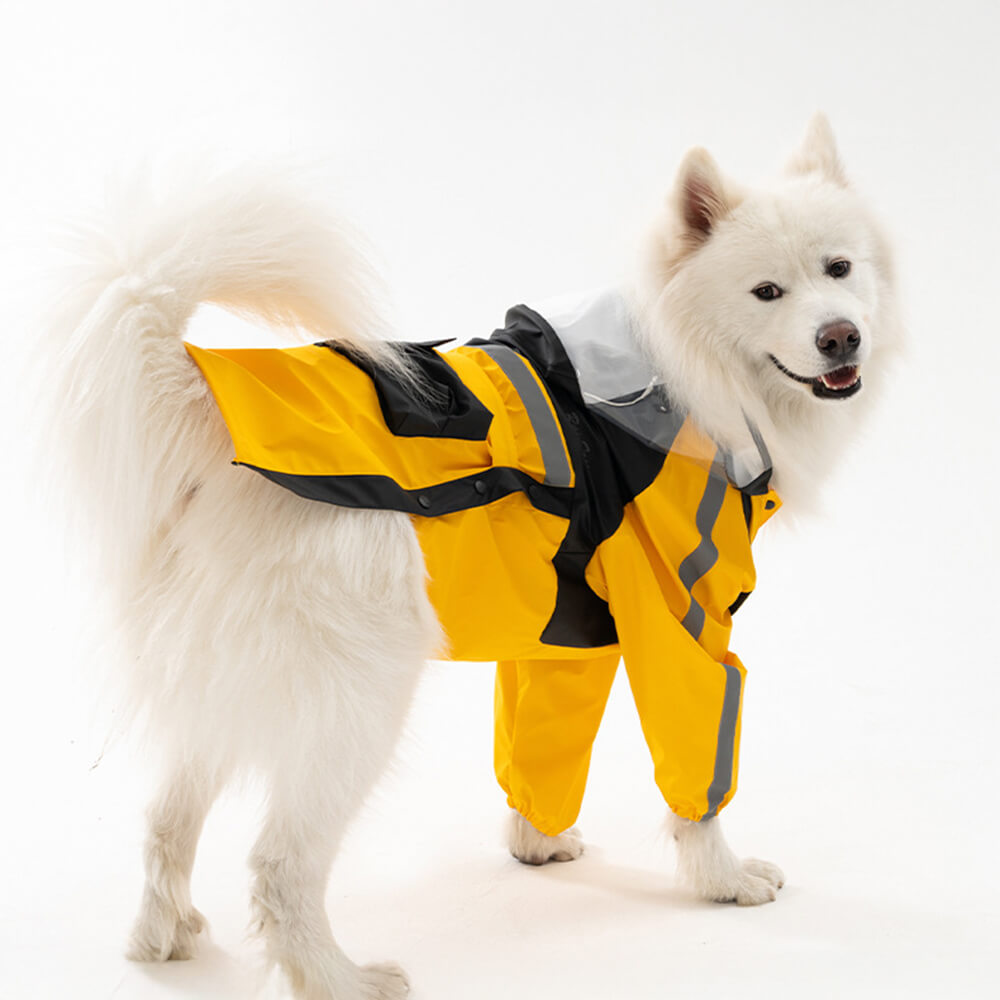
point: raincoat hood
(599, 332)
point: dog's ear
(818, 152)
(701, 196)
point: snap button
(480, 487)
(424, 501)
(769, 505)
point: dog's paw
(765, 870)
(531, 847)
(163, 935)
(707, 865)
(384, 981)
(755, 882)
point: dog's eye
(838, 268)
(768, 292)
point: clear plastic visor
(599, 334)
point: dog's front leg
(532, 847)
(707, 865)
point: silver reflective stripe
(557, 468)
(702, 559)
(725, 750)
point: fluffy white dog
(272, 633)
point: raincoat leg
(547, 715)
(691, 721)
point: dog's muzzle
(839, 383)
(840, 342)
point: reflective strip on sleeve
(703, 558)
(558, 471)
(722, 779)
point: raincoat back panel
(309, 411)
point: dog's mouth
(837, 384)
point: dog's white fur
(712, 340)
(267, 632)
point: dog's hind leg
(168, 923)
(314, 793)
(706, 863)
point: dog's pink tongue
(841, 378)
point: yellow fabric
(677, 682)
(309, 411)
(277, 406)
(491, 579)
(546, 717)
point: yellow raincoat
(563, 529)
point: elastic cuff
(688, 813)
(540, 823)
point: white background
(502, 152)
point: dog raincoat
(569, 517)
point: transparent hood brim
(598, 331)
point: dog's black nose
(839, 339)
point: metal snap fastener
(424, 501)
(480, 487)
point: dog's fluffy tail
(133, 418)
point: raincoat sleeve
(547, 715)
(688, 690)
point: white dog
(273, 633)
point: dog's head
(778, 299)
